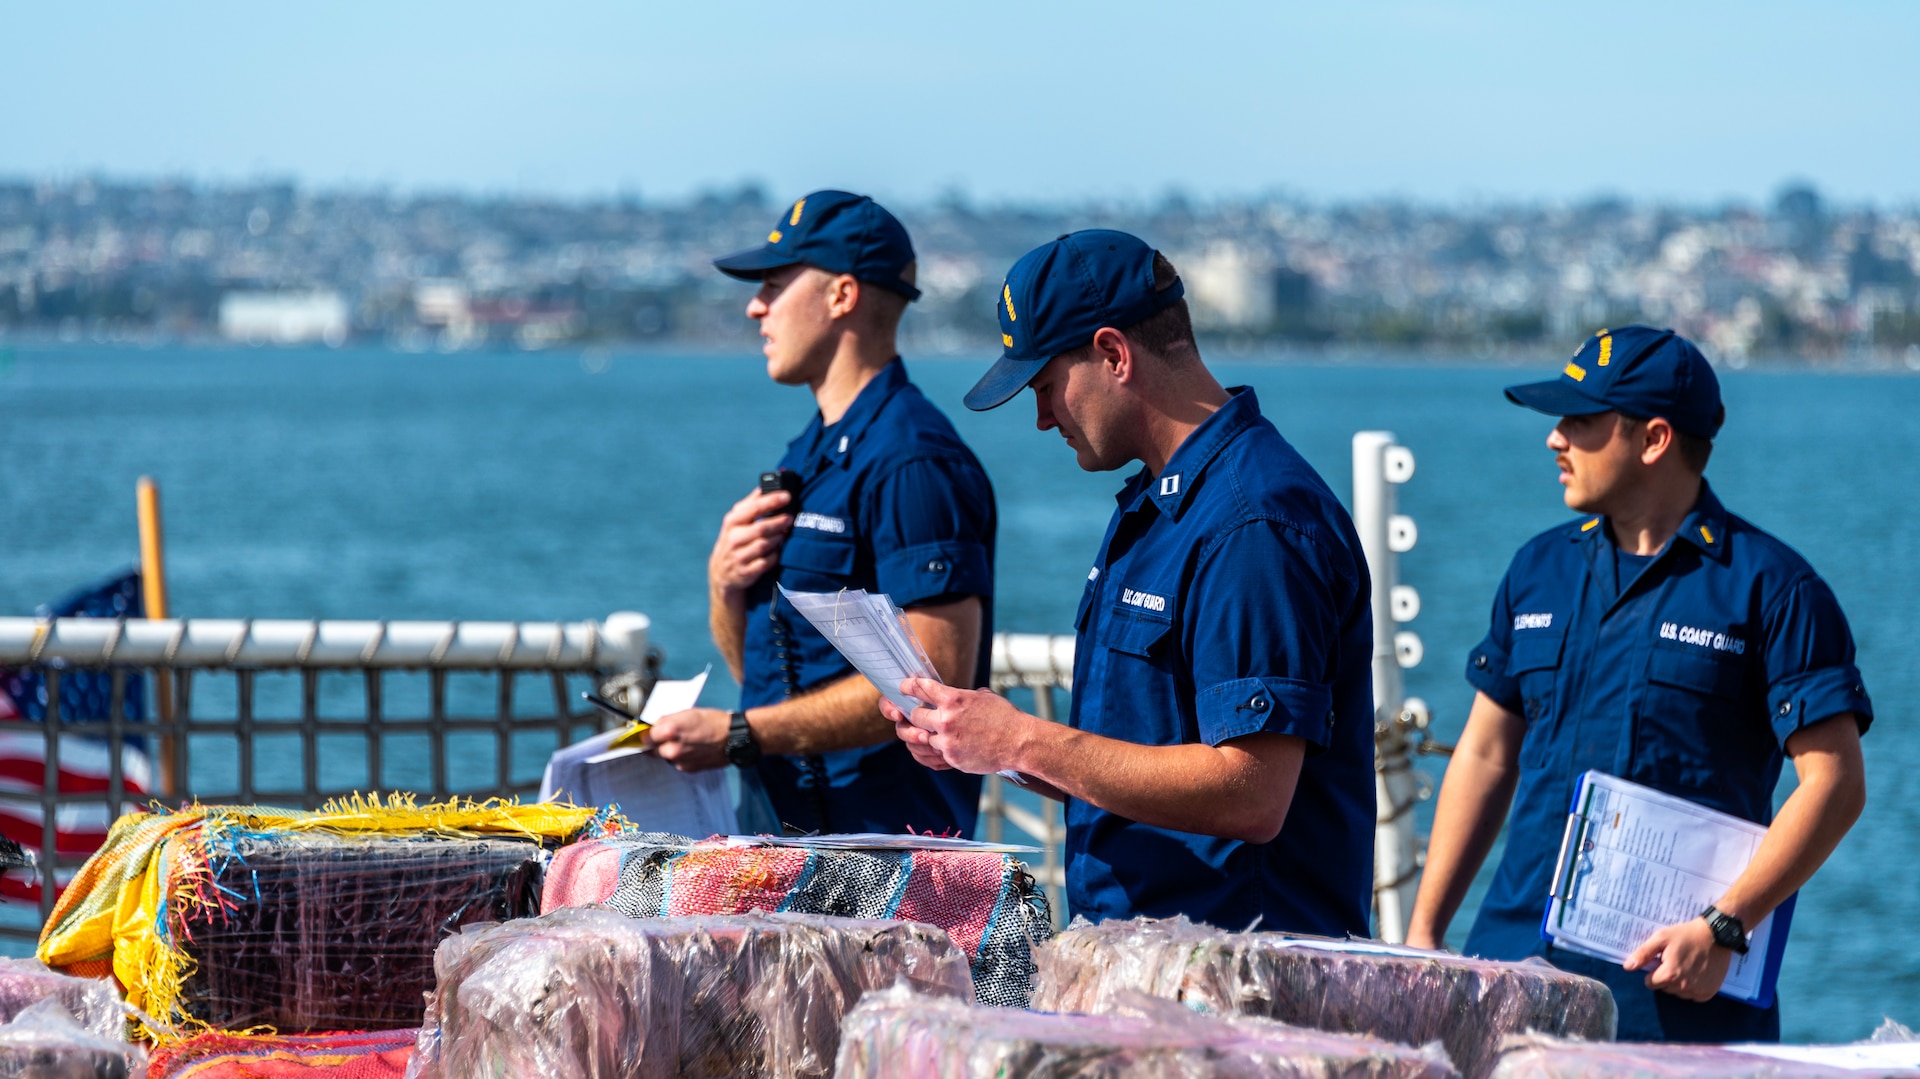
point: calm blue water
(366, 484)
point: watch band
(742, 750)
(1728, 931)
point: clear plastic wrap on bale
(315, 932)
(589, 993)
(45, 1042)
(1356, 987)
(91, 1002)
(985, 900)
(1539, 1057)
(232, 917)
(379, 1054)
(898, 1035)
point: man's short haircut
(888, 306)
(1167, 333)
(1695, 450)
(884, 306)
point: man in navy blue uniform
(1664, 640)
(890, 501)
(1218, 762)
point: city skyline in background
(150, 262)
(1059, 104)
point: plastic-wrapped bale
(380, 1054)
(238, 916)
(1358, 987)
(589, 993)
(1539, 1057)
(91, 1002)
(985, 900)
(898, 1035)
(45, 1042)
(316, 932)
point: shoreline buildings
(279, 263)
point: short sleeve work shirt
(1687, 674)
(1230, 597)
(892, 501)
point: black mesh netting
(312, 932)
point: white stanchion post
(1379, 466)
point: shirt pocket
(815, 561)
(1534, 664)
(1137, 685)
(1688, 727)
(1135, 632)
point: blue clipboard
(1564, 888)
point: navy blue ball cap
(1635, 370)
(1059, 294)
(836, 231)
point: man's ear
(1114, 352)
(1656, 440)
(843, 295)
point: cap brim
(1555, 398)
(1005, 378)
(754, 263)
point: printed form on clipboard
(872, 633)
(1634, 859)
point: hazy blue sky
(1676, 99)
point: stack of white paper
(872, 633)
(653, 794)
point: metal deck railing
(357, 724)
(180, 657)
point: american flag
(84, 761)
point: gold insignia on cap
(1576, 372)
(1606, 348)
(1007, 291)
(794, 218)
(1006, 339)
(773, 237)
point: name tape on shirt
(1146, 601)
(820, 522)
(1533, 621)
(1702, 638)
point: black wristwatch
(742, 750)
(1728, 931)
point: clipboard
(1634, 859)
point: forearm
(839, 715)
(1804, 833)
(1221, 791)
(727, 620)
(1474, 798)
(1473, 802)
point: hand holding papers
(1634, 860)
(649, 792)
(874, 635)
(666, 699)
